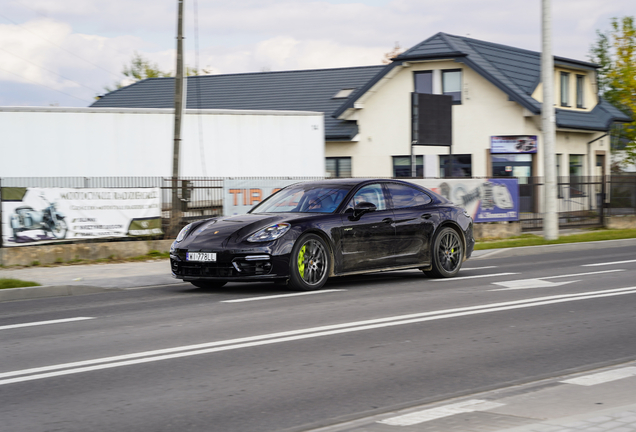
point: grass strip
(16, 283)
(536, 240)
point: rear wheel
(309, 263)
(447, 254)
(208, 284)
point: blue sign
(498, 201)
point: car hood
(224, 231)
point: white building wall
(54, 142)
(384, 121)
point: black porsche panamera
(310, 231)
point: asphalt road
(255, 358)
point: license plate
(201, 256)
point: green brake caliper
(301, 261)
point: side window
(405, 196)
(372, 193)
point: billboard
(513, 144)
(47, 215)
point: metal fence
(582, 201)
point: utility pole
(550, 215)
(179, 110)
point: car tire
(447, 254)
(309, 263)
(208, 284)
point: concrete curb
(564, 247)
(28, 293)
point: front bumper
(240, 266)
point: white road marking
(281, 296)
(477, 268)
(440, 412)
(602, 377)
(474, 277)
(608, 263)
(252, 341)
(583, 274)
(528, 284)
(39, 323)
(541, 283)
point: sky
(65, 52)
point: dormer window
(565, 89)
(580, 101)
(343, 94)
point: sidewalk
(87, 278)
(595, 401)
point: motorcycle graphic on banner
(46, 215)
(49, 220)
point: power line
(48, 70)
(58, 46)
(42, 85)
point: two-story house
(493, 91)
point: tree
(396, 51)
(141, 68)
(615, 53)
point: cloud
(87, 42)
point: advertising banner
(44, 215)
(486, 200)
(513, 144)
(490, 200)
(239, 196)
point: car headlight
(183, 233)
(269, 233)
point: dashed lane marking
(608, 263)
(478, 268)
(473, 277)
(39, 323)
(280, 296)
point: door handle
(426, 216)
(387, 220)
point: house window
(576, 165)
(565, 89)
(402, 166)
(338, 166)
(579, 91)
(452, 84)
(462, 166)
(423, 82)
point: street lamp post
(550, 215)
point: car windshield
(304, 199)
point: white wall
(384, 121)
(55, 142)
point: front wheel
(309, 263)
(447, 254)
(58, 228)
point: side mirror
(362, 208)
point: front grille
(207, 269)
(225, 267)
